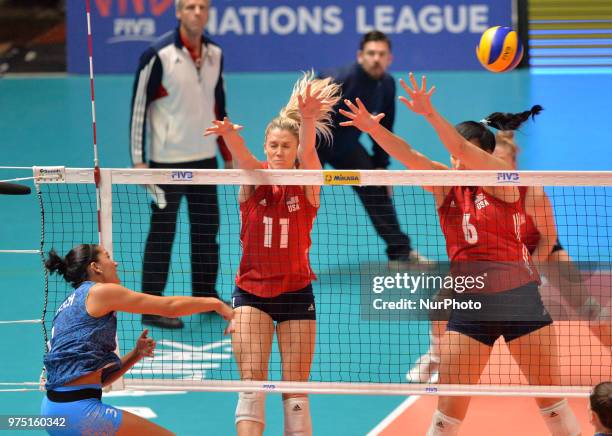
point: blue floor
(47, 121)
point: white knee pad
(251, 407)
(297, 416)
(443, 425)
(560, 420)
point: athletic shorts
(289, 306)
(556, 247)
(84, 411)
(510, 314)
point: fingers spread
(350, 105)
(360, 104)
(413, 81)
(347, 114)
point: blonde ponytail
(289, 117)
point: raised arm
(470, 155)
(360, 118)
(309, 107)
(241, 156)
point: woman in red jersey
(539, 233)
(481, 227)
(273, 284)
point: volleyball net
(374, 316)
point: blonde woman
(273, 284)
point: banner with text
(272, 35)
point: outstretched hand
(310, 104)
(228, 314)
(420, 98)
(360, 117)
(223, 128)
(144, 345)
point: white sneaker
(425, 370)
(413, 260)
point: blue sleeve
(147, 81)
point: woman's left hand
(310, 105)
(145, 345)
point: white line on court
(393, 415)
(399, 410)
(143, 412)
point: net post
(105, 217)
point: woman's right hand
(222, 128)
(228, 314)
(420, 97)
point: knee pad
(443, 425)
(560, 420)
(297, 416)
(251, 407)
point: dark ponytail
(73, 267)
(473, 130)
(507, 121)
(601, 403)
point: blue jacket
(175, 102)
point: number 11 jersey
(276, 222)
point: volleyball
(500, 49)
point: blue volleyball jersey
(80, 343)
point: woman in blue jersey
(81, 359)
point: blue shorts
(510, 314)
(296, 305)
(83, 417)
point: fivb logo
(181, 175)
(508, 178)
(132, 28)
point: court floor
(47, 121)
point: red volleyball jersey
(275, 236)
(529, 231)
(483, 239)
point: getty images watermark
(411, 283)
(412, 295)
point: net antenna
(93, 119)
(103, 208)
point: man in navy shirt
(368, 79)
